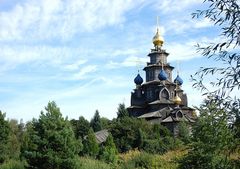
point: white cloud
(74, 66)
(186, 24)
(172, 6)
(129, 61)
(84, 72)
(44, 19)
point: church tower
(160, 99)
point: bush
(12, 164)
(109, 153)
(155, 146)
(160, 146)
(139, 160)
(88, 163)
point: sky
(85, 54)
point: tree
(14, 139)
(105, 122)
(122, 111)
(184, 132)
(214, 130)
(4, 137)
(126, 132)
(49, 141)
(224, 14)
(90, 145)
(110, 152)
(96, 122)
(80, 127)
(213, 140)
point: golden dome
(177, 100)
(158, 39)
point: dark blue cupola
(138, 80)
(162, 75)
(178, 80)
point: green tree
(90, 145)
(110, 152)
(225, 75)
(184, 132)
(219, 113)
(14, 139)
(50, 142)
(225, 15)
(140, 139)
(126, 132)
(105, 122)
(4, 137)
(96, 122)
(213, 140)
(122, 111)
(80, 127)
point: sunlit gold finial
(177, 100)
(158, 39)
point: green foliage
(213, 140)
(122, 111)
(160, 131)
(90, 145)
(125, 132)
(14, 139)
(154, 146)
(130, 133)
(105, 123)
(13, 164)
(144, 160)
(96, 122)
(110, 152)
(184, 132)
(140, 139)
(4, 137)
(80, 127)
(224, 14)
(88, 163)
(50, 141)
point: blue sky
(85, 54)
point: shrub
(89, 163)
(12, 164)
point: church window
(164, 94)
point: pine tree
(122, 111)
(4, 137)
(96, 122)
(90, 144)
(81, 127)
(49, 141)
(110, 152)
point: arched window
(179, 114)
(164, 94)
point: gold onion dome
(158, 39)
(177, 100)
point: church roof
(137, 107)
(157, 82)
(101, 136)
(151, 114)
(171, 118)
(157, 113)
(162, 102)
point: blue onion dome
(162, 75)
(178, 80)
(138, 80)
